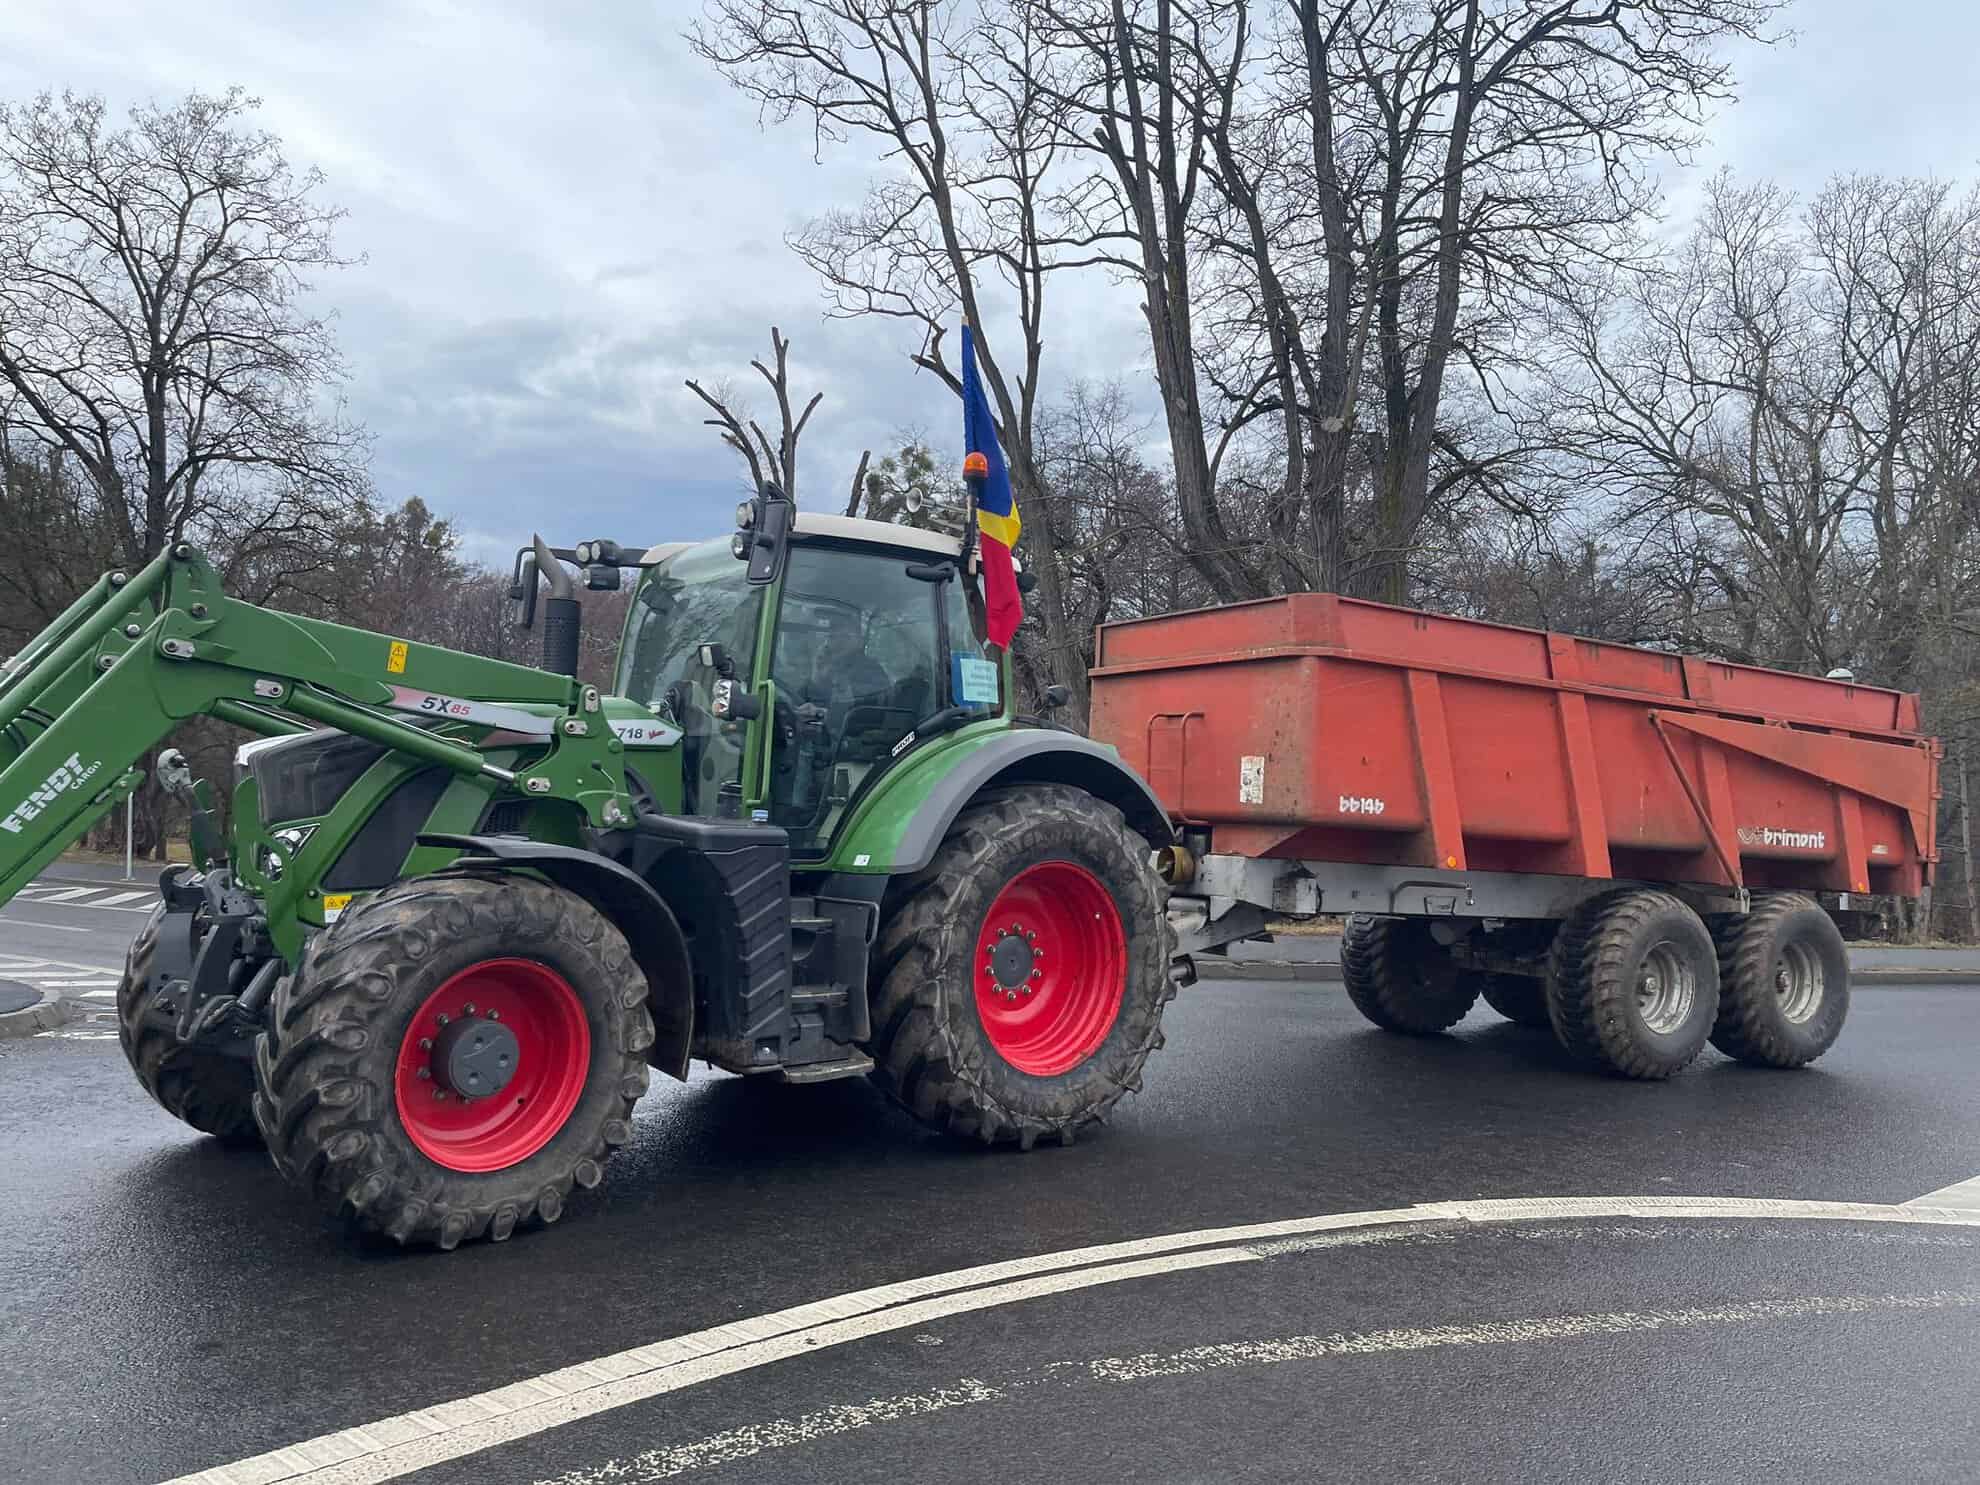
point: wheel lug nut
(494, 1015)
(467, 1010)
(425, 1073)
(426, 1044)
(443, 1018)
(1038, 974)
(440, 1093)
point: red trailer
(1642, 850)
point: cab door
(865, 650)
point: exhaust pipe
(563, 615)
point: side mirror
(522, 589)
(763, 540)
(731, 703)
(1057, 696)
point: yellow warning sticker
(334, 903)
(395, 663)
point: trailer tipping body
(1323, 729)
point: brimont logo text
(1793, 840)
(72, 774)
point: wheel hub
(1666, 988)
(1014, 960)
(491, 1064)
(1051, 968)
(474, 1057)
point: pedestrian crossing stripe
(114, 897)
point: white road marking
(750, 1440)
(112, 899)
(65, 894)
(401, 1445)
(58, 927)
(1963, 1196)
(15, 964)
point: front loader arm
(134, 657)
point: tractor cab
(797, 684)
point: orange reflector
(976, 467)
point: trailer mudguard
(658, 945)
(1029, 756)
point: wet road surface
(167, 1306)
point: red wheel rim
(551, 1055)
(1050, 968)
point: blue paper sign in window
(974, 681)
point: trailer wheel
(1633, 984)
(211, 1092)
(1521, 999)
(1783, 982)
(453, 1055)
(1401, 978)
(1018, 982)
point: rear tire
(1783, 982)
(1401, 978)
(211, 1092)
(1521, 999)
(1633, 984)
(1018, 982)
(340, 1098)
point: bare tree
(1788, 404)
(1305, 173)
(154, 321)
(953, 93)
(767, 460)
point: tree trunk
(1966, 851)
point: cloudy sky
(562, 214)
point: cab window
(864, 653)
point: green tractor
(464, 906)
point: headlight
(292, 838)
(746, 514)
(739, 546)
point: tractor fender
(1029, 755)
(636, 910)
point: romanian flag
(996, 512)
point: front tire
(453, 1055)
(1633, 984)
(207, 1090)
(1401, 978)
(1019, 982)
(1783, 982)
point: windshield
(695, 597)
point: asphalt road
(167, 1306)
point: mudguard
(1040, 755)
(658, 945)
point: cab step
(855, 1066)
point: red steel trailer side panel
(1315, 727)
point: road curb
(1210, 967)
(46, 1014)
